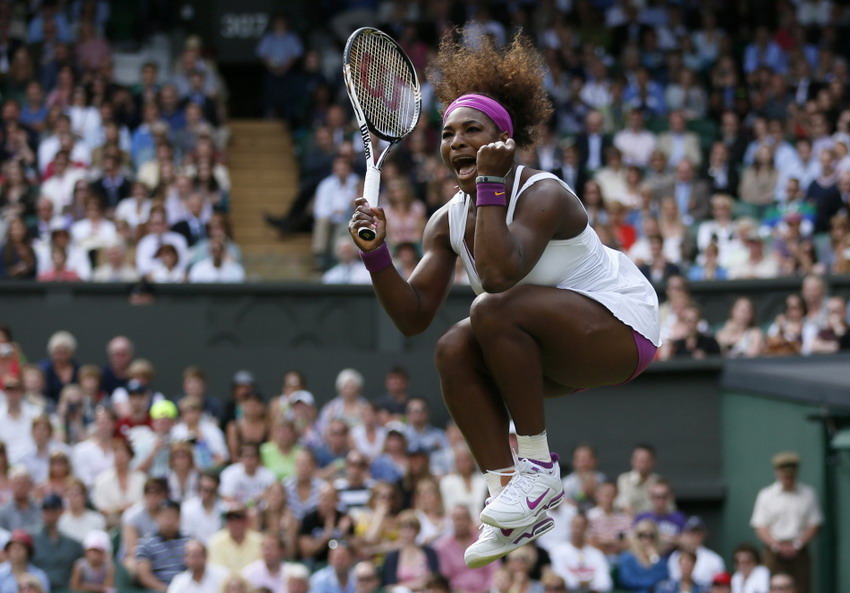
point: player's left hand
(496, 158)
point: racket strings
(385, 85)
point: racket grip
(371, 187)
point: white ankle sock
(533, 447)
(493, 479)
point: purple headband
(489, 107)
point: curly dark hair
(512, 75)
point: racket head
(382, 84)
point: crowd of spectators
(704, 143)
(110, 480)
(105, 181)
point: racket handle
(371, 187)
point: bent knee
(456, 347)
(489, 306)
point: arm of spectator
(233, 439)
(145, 576)
(129, 540)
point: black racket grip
(366, 234)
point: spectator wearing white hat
(95, 568)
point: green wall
(754, 429)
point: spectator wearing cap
(669, 521)
(246, 480)
(202, 515)
(139, 521)
(237, 545)
(200, 575)
(119, 488)
(143, 371)
(152, 443)
(55, 553)
(722, 583)
(322, 525)
(786, 517)
(160, 558)
(338, 575)
(21, 512)
(138, 409)
(421, 434)
(95, 569)
(750, 575)
(206, 438)
(241, 385)
(303, 411)
(708, 562)
(252, 427)
(582, 566)
(20, 550)
(16, 420)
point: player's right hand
(365, 216)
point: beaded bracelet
(377, 259)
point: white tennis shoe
(535, 487)
(494, 542)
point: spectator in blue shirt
(279, 50)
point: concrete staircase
(264, 176)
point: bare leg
(534, 338)
(472, 398)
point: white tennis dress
(581, 264)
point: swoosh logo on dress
(532, 504)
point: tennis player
(556, 312)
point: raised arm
(411, 304)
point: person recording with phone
(556, 311)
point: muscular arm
(411, 304)
(504, 254)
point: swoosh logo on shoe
(532, 504)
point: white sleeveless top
(581, 264)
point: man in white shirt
(709, 563)
(199, 576)
(635, 142)
(158, 234)
(633, 486)
(202, 516)
(59, 187)
(786, 517)
(349, 268)
(217, 268)
(246, 481)
(582, 566)
(268, 571)
(16, 418)
(95, 454)
(332, 207)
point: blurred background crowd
(111, 480)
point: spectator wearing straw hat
(786, 518)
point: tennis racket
(384, 92)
